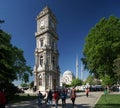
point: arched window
(40, 80)
(41, 42)
(41, 61)
(53, 61)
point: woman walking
(73, 95)
(56, 97)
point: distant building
(67, 77)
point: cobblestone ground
(81, 102)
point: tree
(76, 82)
(12, 62)
(90, 80)
(116, 67)
(67, 85)
(102, 46)
(25, 85)
(107, 80)
(31, 84)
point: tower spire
(81, 73)
(76, 66)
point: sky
(75, 19)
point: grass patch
(24, 97)
(109, 101)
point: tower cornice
(55, 35)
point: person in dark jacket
(63, 97)
(40, 97)
(50, 97)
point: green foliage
(92, 80)
(12, 65)
(116, 66)
(102, 47)
(12, 62)
(66, 85)
(106, 80)
(9, 89)
(23, 98)
(31, 84)
(24, 85)
(76, 82)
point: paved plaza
(81, 102)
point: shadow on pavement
(69, 106)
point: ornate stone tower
(46, 69)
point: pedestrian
(40, 97)
(73, 95)
(45, 97)
(106, 90)
(66, 90)
(87, 92)
(50, 97)
(3, 99)
(56, 97)
(63, 97)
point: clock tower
(46, 69)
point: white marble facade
(46, 69)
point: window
(41, 42)
(42, 24)
(53, 61)
(41, 61)
(40, 80)
(53, 45)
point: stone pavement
(81, 102)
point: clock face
(42, 24)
